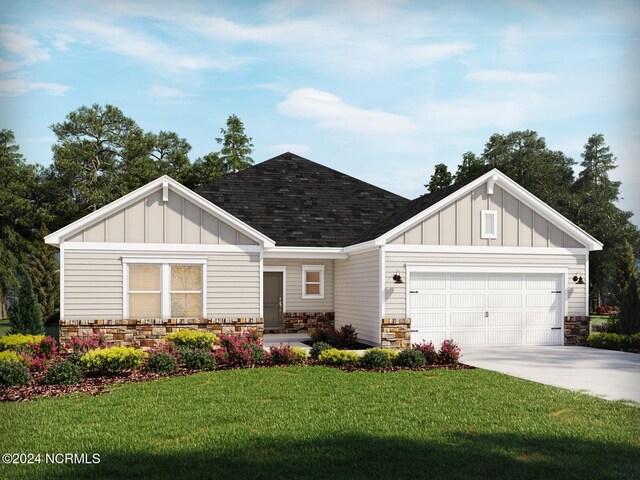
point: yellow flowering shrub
(192, 339)
(112, 359)
(18, 341)
(338, 358)
(9, 356)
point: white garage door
(486, 309)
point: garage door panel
(468, 300)
(541, 282)
(468, 282)
(504, 337)
(504, 300)
(469, 337)
(543, 318)
(504, 282)
(429, 320)
(467, 319)
(436, 337)
(542, 300)
(428, 282)
(543, 337)
(429, 301)
(505, 319)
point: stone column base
(576, 330)
(396, 333)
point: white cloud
(167, 92)
(62, 40)
(19, 43)
(330, 112)
(13, 87)
(296, 148)
(435, 52)
(149, 50)
(508, 76)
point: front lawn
(318, 422)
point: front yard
(318, 422)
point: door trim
(283, 270)
(488, 269)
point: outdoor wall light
(577, 278)
(397, 278)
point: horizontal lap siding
(395, 306)
(295, 302)
(233, 285)
(93, 284)
(356, 294)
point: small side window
(313, 281)
(488, 224)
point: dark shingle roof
(411, 209)
(300, 203)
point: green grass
(315, 422)
(597, 320)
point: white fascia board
(485, 249)
(320, 253)
(513, 188)
(362, 247)
(177, 248)
(457, 268)
(58, 236)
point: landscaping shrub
(112, 359)
(161, 362)
(198, 360)
(604, 310)
(614, 341)
(19, 342)
(87, 343)
(449, 353)
(610, 326)
(13, 373)
(318, 348)
(192, 339)
(338, 358)
(239, 351)
(25, 315)
(63, 373)
(345, 338)
(377, 358)
(75, 358)
(9, 356)
(428, 350)
(410, 358)
(287, 355)
(39, 355)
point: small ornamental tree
(629, 321)
(26, 316)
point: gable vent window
(313, 281)
(488, 224)
(164, 288)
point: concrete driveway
(603, 373)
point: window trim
(312, 268)
(487, 216)
(165, 281)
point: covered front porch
(293, 339)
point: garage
(493, 308)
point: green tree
(441, 178)
(171, 153)
(25, 315)
(43, 268)
(472, 166)
(629, 321)
(205, 170)
(17, 184)
(624, 269)
(236, 149)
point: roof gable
(300, 203)
(421, 208)
(163, 211)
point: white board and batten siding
(93, 283)
(357, 287)
(293, 288)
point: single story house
(288, 245)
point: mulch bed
(98, 385)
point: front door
(272, 300)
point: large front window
(164, 289)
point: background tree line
(99, 155)
(588, 200)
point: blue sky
(382, 90)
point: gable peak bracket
(491, 183)
(165, 191)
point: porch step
(293, 339)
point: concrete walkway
(603, 373)
(293, 339)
